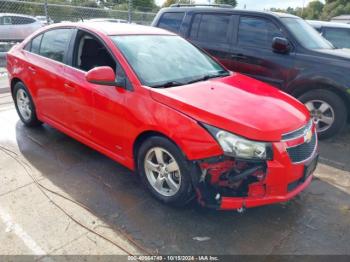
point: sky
(260, 4)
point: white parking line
(11, 226)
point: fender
(14, 73)
(193, 140)
(331, 80)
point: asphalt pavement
(44, 173)
(4, 83)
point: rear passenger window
(35, 45)
(211, 28)
(19, 20)
(340, 38)
(54, 43)
(171, 21)
(257, 32)
(6, 20)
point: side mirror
(280, 45)
(102, 75)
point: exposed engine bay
(227, 177)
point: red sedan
(155, 103)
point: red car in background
(162, 107)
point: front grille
(303, 151)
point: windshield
(307, 36)
(166, 60)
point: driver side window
(90, 52)
(257, 32)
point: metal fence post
(129, 11)
(46, 12)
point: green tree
(313, 11)
(227, 2)
(334, 8)
(143, 5)
(168, 3)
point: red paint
(248, 202)
(257, 190)
(110, 119)
(102, 74)
(238, 104)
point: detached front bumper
(222, 183)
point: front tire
(328, 111)
(165, 171)
(24, 105)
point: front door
(252, 52)
(95, 111)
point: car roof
(320, 24)
(12, 14)
(104, 19)
(341, 17)
(224, 9)
(110, 28)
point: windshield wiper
(168, 84)
(206, 77)
(202, 78)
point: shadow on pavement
(335, 151)
(312, 223)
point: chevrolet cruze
(155, 103)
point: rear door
(213, 33)
(16, 27)
(46, 62)
(24, 26)
(252, 52)
(6, 29)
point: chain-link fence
(66, 12)
(14, 28)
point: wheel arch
(301, 88)
(13, 82)
(16, 80)
(142, 137)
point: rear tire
(165, 171)
(25, 106)
(328, 111)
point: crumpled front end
(227, 183)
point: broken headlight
(240, 147)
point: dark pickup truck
(280, 49)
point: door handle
(32, 69)
(238, 56)
(69, 87)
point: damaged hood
(238, 104)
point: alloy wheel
(24, 104)
(162, 171)
(322, 114)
